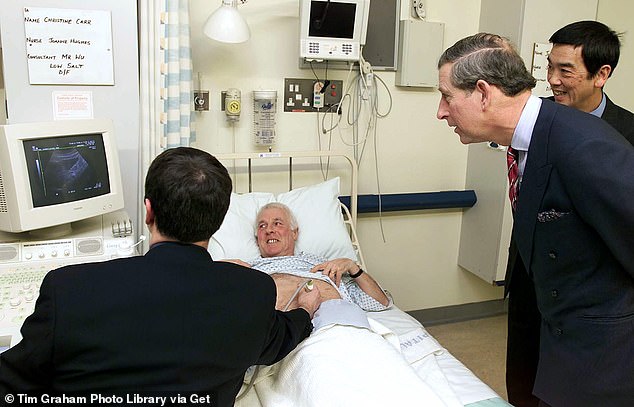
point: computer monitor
(333, 29)
(55, 173)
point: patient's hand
(310, 300)
(334, 269)
(237, 261)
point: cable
(329, 109)
(233, 135)
(321, 162)
(389, 110)
(378, 186)
(320, 128)
(313, 69)
(126, 249)
(362, 93)
(309, 286)
(141, 240)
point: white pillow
(316, 208)
(235, 238)
(318, 213)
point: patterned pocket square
(550, 215)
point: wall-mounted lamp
(226, 24)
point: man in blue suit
(573, 221)
(584, 55)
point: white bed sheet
(437, 368)
(467, 386)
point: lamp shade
(226, 24)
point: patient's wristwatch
(358, 273)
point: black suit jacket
(172, 320)
(574, 233)
(621, 119)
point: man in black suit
(583, 57)
(573, 218)
(170, 322)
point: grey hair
(286, 209)
(487, 57)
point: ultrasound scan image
(67, 172)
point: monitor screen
(66, 169)
(332, 30)
(332, 19)
(55, 173)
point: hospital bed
(399, 362)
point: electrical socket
(300, 96)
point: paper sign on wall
(72, 105)
(539, 69)
(72, 47)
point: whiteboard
(71, 47)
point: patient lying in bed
(276, 233)
(374, 371)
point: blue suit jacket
(170, 321)
(574, 232)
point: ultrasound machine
(61, 202)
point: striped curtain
(176, 69)
(165, 85)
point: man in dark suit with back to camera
(170, 322)
(573, 218)
(583, 57)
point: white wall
(617, 14)
(120, 102)
(417, 152)
(3, 110)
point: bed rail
(349, 210)
(251, 157)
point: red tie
(514, 172)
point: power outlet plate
(299, 96)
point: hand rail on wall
(413, 201)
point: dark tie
(514, 172)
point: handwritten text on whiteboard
(65, 46)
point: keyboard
(19, 288)
(25, 259)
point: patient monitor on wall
(55, 173)
(332, 29)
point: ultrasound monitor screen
(66, 168)
(331, 19)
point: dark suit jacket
(619, 118)
(172, 320)
(574, 233)
(623, 121)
